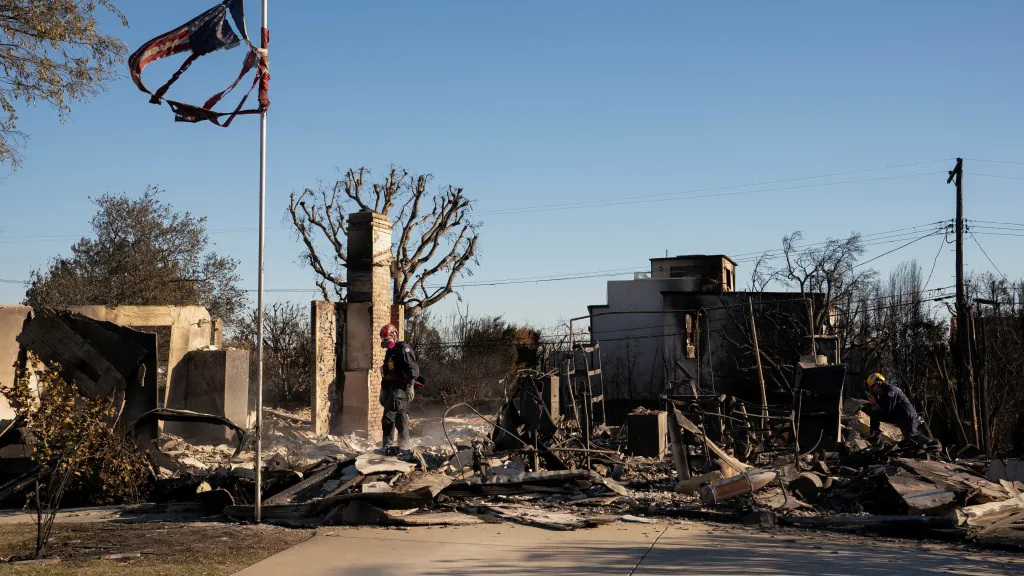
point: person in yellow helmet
(890, 405)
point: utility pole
(963, 338)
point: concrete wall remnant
(327, 324)
(218, 384)
(190, 330)
(12, 320)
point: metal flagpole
(259, 302)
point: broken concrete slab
(958, 479)
(432, 481)
(377, 463)
(530, 516)
(374, 487)
(921, 497)
(434, 519)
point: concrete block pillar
(218, 383)
(369, 308)
(327, 325)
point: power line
(936, 260)
(1000, 234)
(996, 161)
(997, 176)
(1001, 223)
(779, 253)
(894, 250)
(669, 196)
(588, 274)
(909, 229)
(987, 257)
(600, 202)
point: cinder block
(648, 434)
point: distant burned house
(685, 326)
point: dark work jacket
(895, 408)
(400, 367)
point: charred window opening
(691, 335)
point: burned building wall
(662, 332)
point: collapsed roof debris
(534, 465)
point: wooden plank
(722, 455)
(985, 514)
(285, 496)
(346, 485)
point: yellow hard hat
(876, 378)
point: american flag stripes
(206, 33)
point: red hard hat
(389, 331)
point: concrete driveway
(641, 549)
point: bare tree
(52, 52)
(434, 235)
(828, 271)
(288, 355)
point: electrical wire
(996, 176)
(681, 195)
(945, 237)
(987, 257)
(894, 250)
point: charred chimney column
(368, 308)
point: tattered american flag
(206, 33)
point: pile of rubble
(905, 486)
(457, 474)
(539, 468)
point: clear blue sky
(533, 103)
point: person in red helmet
(397, 387)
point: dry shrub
(76, 443)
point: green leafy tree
(52, 51)
(142, 253)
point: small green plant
(76, 444)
